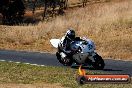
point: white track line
(23, 63)
(2, 60)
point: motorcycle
(83, 53)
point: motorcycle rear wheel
(99, 62)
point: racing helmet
(70, 34)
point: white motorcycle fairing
(87, 47)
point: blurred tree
(52, 4)
(34, 5)
(12, 11)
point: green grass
(27, 74)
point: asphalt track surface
(47, 59)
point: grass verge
(27, 74)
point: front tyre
(65, 61)
(99, 62)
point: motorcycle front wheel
(65, 61)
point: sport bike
(83, 53)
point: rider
(67, 39)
